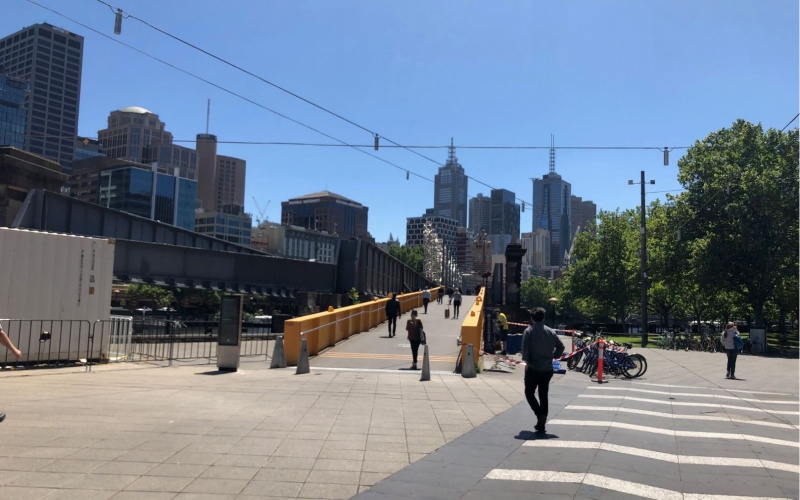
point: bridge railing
(472, 330)
(325, 329)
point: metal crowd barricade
(49, 343)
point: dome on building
(135, 109)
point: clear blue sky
(599, 73)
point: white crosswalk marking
(692, 394)
(608, 483)
(669, 432)
(717, 389)
(685, 403)
(664, 457)
(679, 416)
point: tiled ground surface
(130, 432)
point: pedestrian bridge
(357, 337)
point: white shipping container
(54, 283)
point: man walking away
(426, 298)
(540, 346)
(502, 325)
(439, 295)
(6, 342)
(392, 312)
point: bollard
(468, 365)
(278, 356)
(302, 361)
(426, 366)
(573, 341)
(600, 350)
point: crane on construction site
(262, 217)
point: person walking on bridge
(6, 342)
(392, 313)
(540, 346)
(415, 336)
(426, 298)
(456, 302)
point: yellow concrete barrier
(472, 331)
(325, 329)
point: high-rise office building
(149, 193)
(450, 190)
(221, 179)
(445, 229)
(329, 212)
(504, 213)
(50, 60)
(464, 240)
(584, 212)
(138, 135)
(480, 209)
(13, 115)
(87, 148)
(552, 208)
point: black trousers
(732, 354)
(537, 381)
(414, 349)
(456, 307)
(392, 322)
(425, 304)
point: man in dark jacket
(392, 313)
(540, 346)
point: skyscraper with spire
(450, 190)
(552, 207)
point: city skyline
(451, 106)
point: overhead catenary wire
(219, 87)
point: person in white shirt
(729, 343)
(426, 298)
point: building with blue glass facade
(232, 225)
(13, 114)
(552, 210)
(148, 193)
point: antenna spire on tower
(208, 115)
(552, 154)
(451, 157)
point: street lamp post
(643, 257)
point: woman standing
(414, 329)
(729, 337)
(456, 302)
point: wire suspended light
(118, 22)
(523, 206)
(377, 141)
(666, 156)
(408, 175)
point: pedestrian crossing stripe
(717, 389)
(686, 403)
(609, 483)
(381, 370)
(670, 432)
(364, 355)
(664, 457)
(693, 394)
(680, 416)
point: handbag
(422, 338)
(738, 343)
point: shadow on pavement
(532, 436)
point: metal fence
(50, 343)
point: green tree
(606, 269)
(156, 294)
(741, 200)
(411, 256)
(535, 292)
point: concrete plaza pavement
(142, 432)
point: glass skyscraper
(146, 193)
(12, 112)
(450, 190)
(552, 212)
(51, 60)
